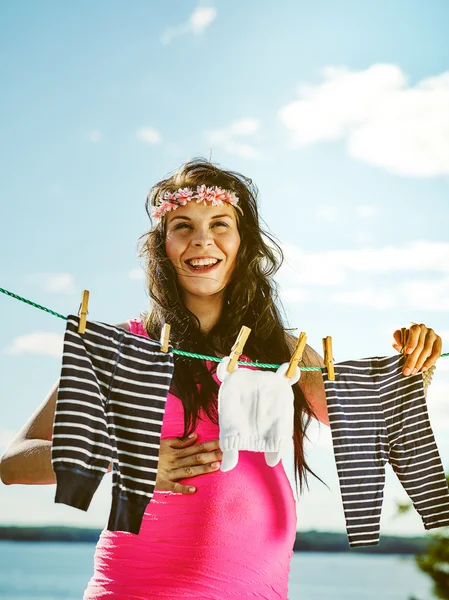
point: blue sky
(339, 112)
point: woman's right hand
(182, 459)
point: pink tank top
(232, 539)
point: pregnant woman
(206, 533)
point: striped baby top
(110, 408)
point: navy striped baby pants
(378, 415)
(110, 407)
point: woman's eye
(188, 226)
(182, 226)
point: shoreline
(306, 541)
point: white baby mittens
(255, 412)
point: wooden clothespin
(328, 358)
(297, 354)
(237, 348)
(165, 337)
(83, 311)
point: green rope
(32, 303)
(180, 352)
(240, 362)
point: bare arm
(27, 459)
(311, 382)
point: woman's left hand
(423, 348)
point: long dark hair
(251, 299)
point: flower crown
(217, 196)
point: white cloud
(366, 211)
(294, 295)
(136, 274)
(328, 110)
(54, 283)
(386, 122)
(431, 295)
(415, 256)
(40, 343)
(148, 135)
(59, 283)
(415, 295)
(197, 23)
(370, 297)
(201, 18)
(244, 127)
(307, 268)
(424, 267)
(225, 138)
(331, 213)
(94, 136)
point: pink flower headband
(217, 196)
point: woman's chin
(205, 290)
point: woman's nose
(202, 238)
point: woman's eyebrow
(181, 217)
(189, 219)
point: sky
(339, 112)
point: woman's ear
(222, 369)
(282, 370)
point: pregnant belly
(250, 505)
(234, 535)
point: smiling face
(202, 243)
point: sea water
(57, 571)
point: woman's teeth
(203, 262)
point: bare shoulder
(123, 325)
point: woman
(209, 271)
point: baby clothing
(110, 407)
(256, 412)
(378, 415)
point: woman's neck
(206, 309)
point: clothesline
(179, 352)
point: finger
(200, 458)
(413, 337)
(410, 367)
(397, 344)
(427, 349)
(180, 442)
(174, 486)
(435, 354)
(209, 446)
(178, 488)
(194, 471)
